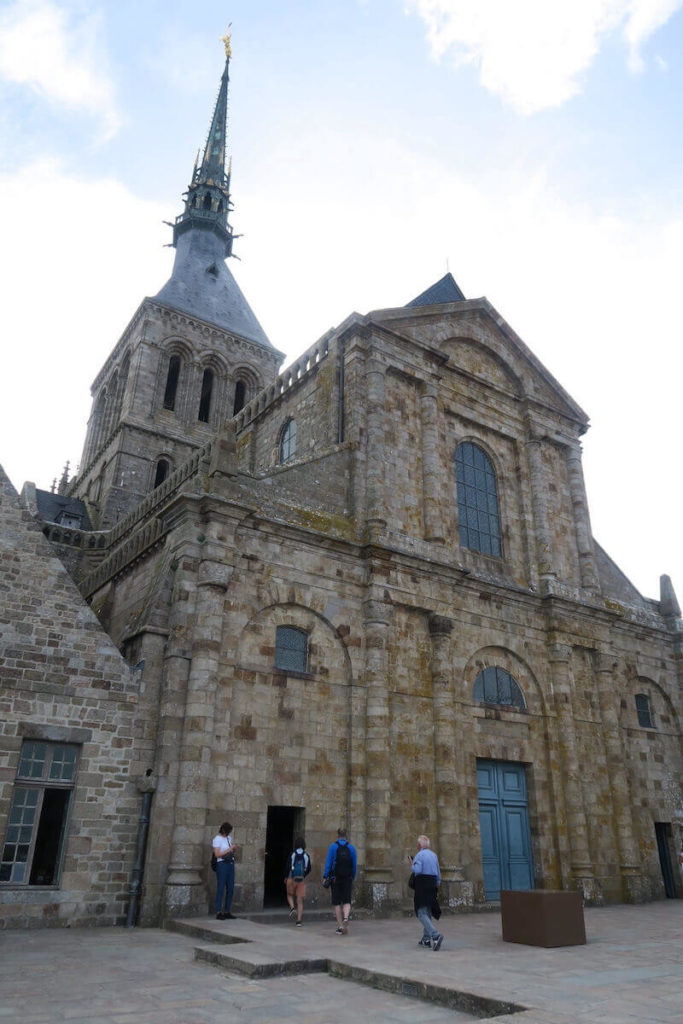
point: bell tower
(191, 356)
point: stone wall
(356, 542)
(64, 681)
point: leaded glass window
(36, 826)
(644, 711)
(291, 649)
(496, 686)
(288, 441)
(477, 496)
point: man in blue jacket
(340, 869)
(427, 875)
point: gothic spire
(207, 200)
(201, 283)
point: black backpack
(343, 862)
(298, 866)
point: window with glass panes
(644, 711)
(496, 686)
(291, 649)
(288, 442)
(38, 814)
(477, 496)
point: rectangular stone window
(34, 840)
(291, 649)
(644, 711)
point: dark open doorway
(283, 825)
(666, 860)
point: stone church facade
(362, 591)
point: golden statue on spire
(226, 42)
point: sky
(533, 149)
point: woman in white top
(224, 852)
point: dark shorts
(341, 891)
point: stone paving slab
(630, 972)
(148, 976)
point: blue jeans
(425, 919)
(225, 883)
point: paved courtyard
(630, 972)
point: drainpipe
(146, 785)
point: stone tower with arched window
(191, 357)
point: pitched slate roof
(445, 290)
(202, 286)
(51, 505)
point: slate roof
(50, 505)
(202, 286)
(445, 290)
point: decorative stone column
(539, 504)
(375, 485)
(377, 619)
(581, 868)
(432, 484)
(175, 671)
(447, 784)
(633, 883)
(153, 648)
(184, 885)
(582, 526)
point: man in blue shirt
(340, 868)
(427, 878)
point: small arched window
(205, 399)
(240, 396)
(161, 472)
(291, 649)
(477, 495)
(288, 442)
(207, 201)
(496, 686)
(644, 711)
(172, 378)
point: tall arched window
(477, 496)
(97, 425)
(291, 649)
(205, 399)
(240, 396)
(496, 686)
(288, 441)
(172, 379)
(161, 472)
(123, 380)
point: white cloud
(58, 55)
(69, 289)
(644, 18)
(532, 53)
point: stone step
(257, 964)
(254, 963)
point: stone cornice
(212, 330)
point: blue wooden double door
(504, 823)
